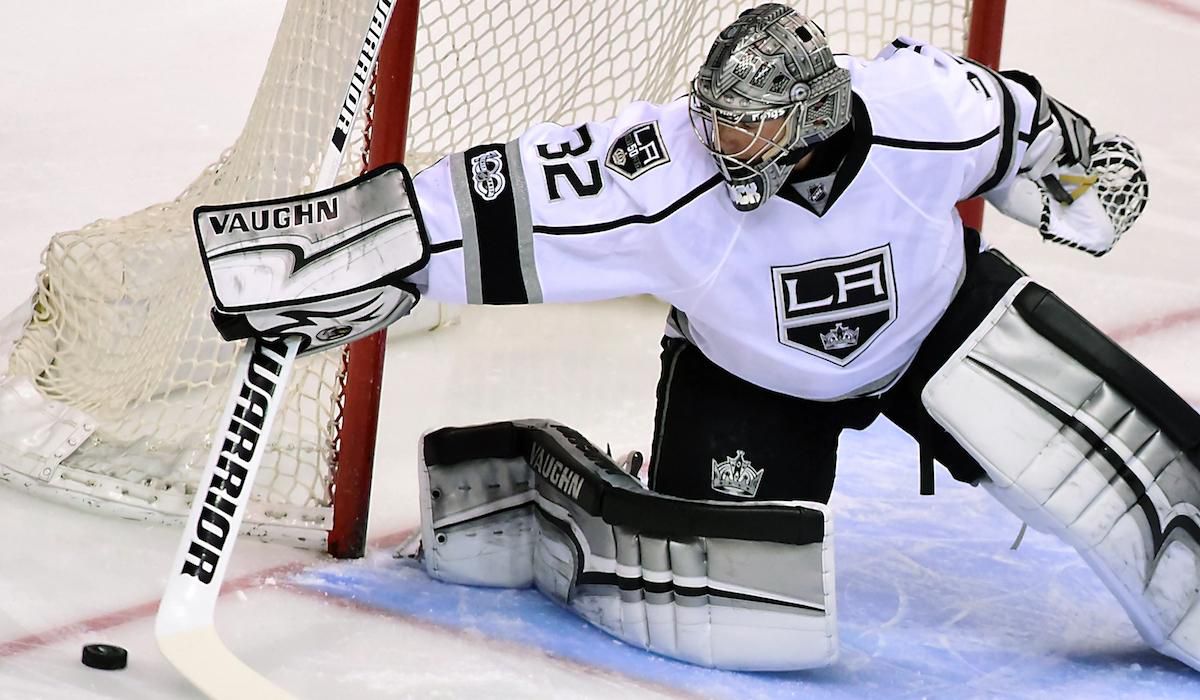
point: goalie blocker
(1092, 448)
(745, 586)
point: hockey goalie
(796, 210)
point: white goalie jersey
(824, 292)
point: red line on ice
(136, 612)
(1167, 322)
(1176, 7)
(254, 580)
(142, 610)
(1155, 325)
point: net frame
(418, 34)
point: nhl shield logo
(736, 476)
(835, 308)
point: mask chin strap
(793, 156)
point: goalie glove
(1086, 204)
(329, 267)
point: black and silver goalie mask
(768, 91)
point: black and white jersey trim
(493, 209)
(1010, 130)
(633, 218)
(1042, 120)
(899, 44)
(936, 145)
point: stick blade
(204, 660)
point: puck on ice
(105, 656)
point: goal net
(114, 377)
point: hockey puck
(105, 656)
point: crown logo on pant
(736, 476)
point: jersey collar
(818, 194)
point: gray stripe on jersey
(524, 222)
(470, 231)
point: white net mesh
(486, 77)
(120, 329)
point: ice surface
(933, 603)
(111, 106)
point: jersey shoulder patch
(637, 151)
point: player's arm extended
(569, 213)
(1074, 187)
(558, 214)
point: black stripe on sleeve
(1009, 130)
(1041, 120)
(634, 218)
(1036, 131)
(936, 145)
(1033, 87)
(1026, 81)
(500, 276)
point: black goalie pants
(718, 437)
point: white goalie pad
(1086, 444)
(533, 503)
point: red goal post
(985, 37)
(386, 131)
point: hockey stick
(184, 626)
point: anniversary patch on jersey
(637, 151)
(487, 176)
(835, 308)
(492, 197)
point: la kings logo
(638, 151)
(835, 308)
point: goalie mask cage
(115, 379)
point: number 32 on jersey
(558, 165)
(640, 149)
